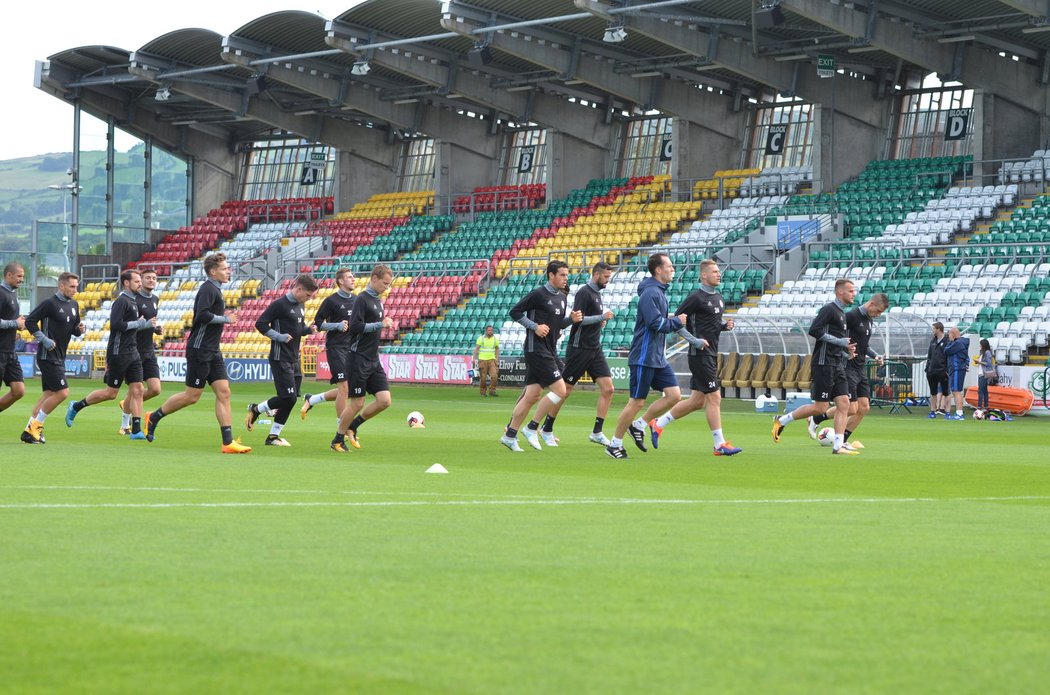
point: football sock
(599, 422)
(837, 442)
(959, 413)
(785, 420)
(548, 424)
(817, 419)
(80, 405)
(276, 429)
(846, 434)
(639, 424)
(616, 442)
(264, 408)
(533, 425)
(136, 425)
(511, 433)
(40, 416)
(125, 420)
(665, 419)
(227, 434)
(719, 438)
(356, 424)
(317, 400)
(159, 413)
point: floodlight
(361, 67)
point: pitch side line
(516, 502)
(114, 488)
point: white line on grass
(115, 488)
(517, 502)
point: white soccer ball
(415, 419)
(826, 436)
(978, 414)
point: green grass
(920, 566)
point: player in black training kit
(122, 355)
(830, 352)
(204, 363)
(11, 321)
(365, 371)
(859, 322)
(543, 312)
(147, 303)
(705, 321)
(333, 317)
(284, 323)
(53, 322)
(584, 354)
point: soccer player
(53, 322)
(147, 304)
(365, 371)
(11, 321)
(284, 323)
(859, 323)
(333, 317)
(543, 314)
(647, 362)
(830, 352)
(122, 355)
(957, 350)
(704, 310)
(204, 363)
(584, 354)
(937, 372)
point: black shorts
(287, 377)
(121, 369)
(828, 383)
(203, 368)
(150, 368)
(366, 376)
(11, 367)
(338, 364)
(704, 370)
(542, 368)
(52, 376)
(580, 361)
(938, 384)
(857, 381)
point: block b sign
(957, 126)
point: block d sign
(775, 139)
(957, 124)
(825, 66)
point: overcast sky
(36, 123)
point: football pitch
(920, 566)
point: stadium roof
(381, 62)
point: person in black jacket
(333, 317)
(543, 312)
(53, 322)
(831, 349)
(11, 322)
(284, 323)
(122, 355)
(148, 304)
(937, 372)
(204, 361)
(366, 371)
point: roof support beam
(354, 95)
(855, 98)
(445, 72)
(980, 69)
(596, 66)
(1035, 8)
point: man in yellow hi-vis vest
(486, 355)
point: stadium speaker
(255, 85)
(768, 17)
(479, 55)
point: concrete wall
(842, 147)
(1009, 131)
(571, 163)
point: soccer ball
(826, 436)
(978, 414)
(415, 419)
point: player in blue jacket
(957, 350)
